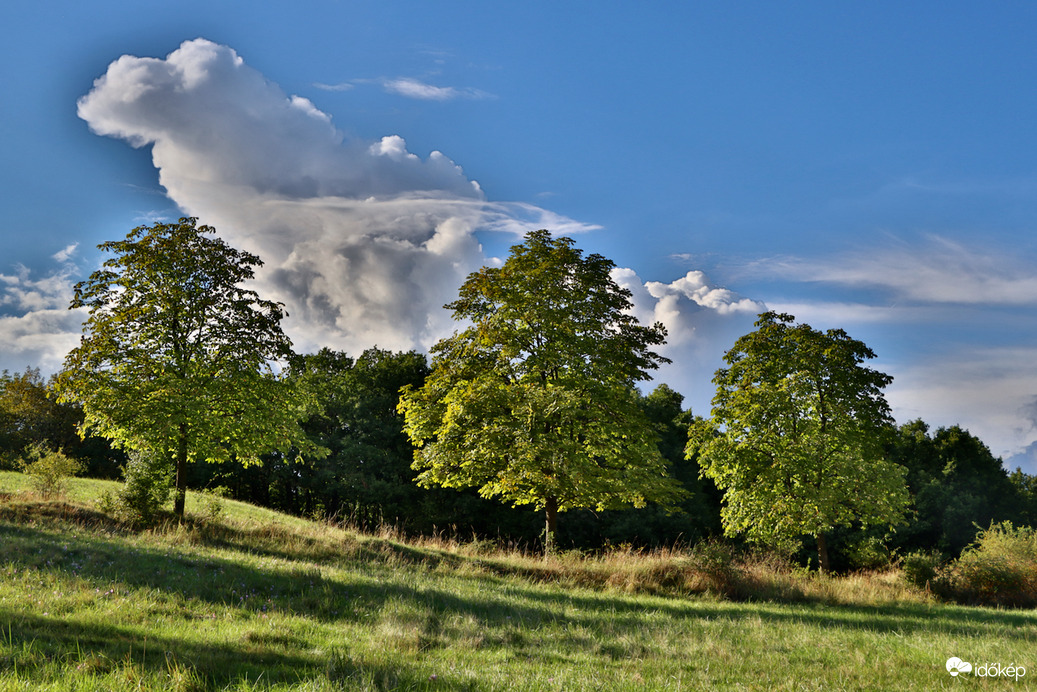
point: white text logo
(956, 666)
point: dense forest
(957, 486)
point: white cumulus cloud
(363, 240)
(702, 321)
(36, 326)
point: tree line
(530, 412)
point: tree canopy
(367, 475)
(176, 355)
(958, 486)
(31, 418)
(535, 402)
(796, 440)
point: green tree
(654, 525)
(31, 416)
(665, 408)
(367, 475)
(1025, 490)
(176, 355)
(958, 485)
(796, 436)
(535, 402)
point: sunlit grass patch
(260, 601)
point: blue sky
(870, 166)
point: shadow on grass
(34, 641)
(505, 609)
(52, 637)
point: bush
(716, 562)
(149, 483)
(921, 567)
(214, 504)
(49, 470)
(869, 553)
(1000, 568)
(107, 503)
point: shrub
(716, 561)
(920, 567)
(149, 483)
(49, 470)
(869, 553)
(107, 503)
(214, 504)
(1000, 568)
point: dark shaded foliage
(32, 417)
(653, 525)
(957, 484)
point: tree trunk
(551, 513)
(822, 551)
(181, 473)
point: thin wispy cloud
(847, 314)
(416, 89)
(150, 217)
(979, 187)
(937, 271)
(998, 395)
(341, 86)
(66, 253)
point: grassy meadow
(241, 598)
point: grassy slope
(263, 601)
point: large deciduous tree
(797, 434)
(535, 402)
(176, 355)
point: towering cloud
(364, 241)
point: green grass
(262, 601)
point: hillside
(241, 598)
